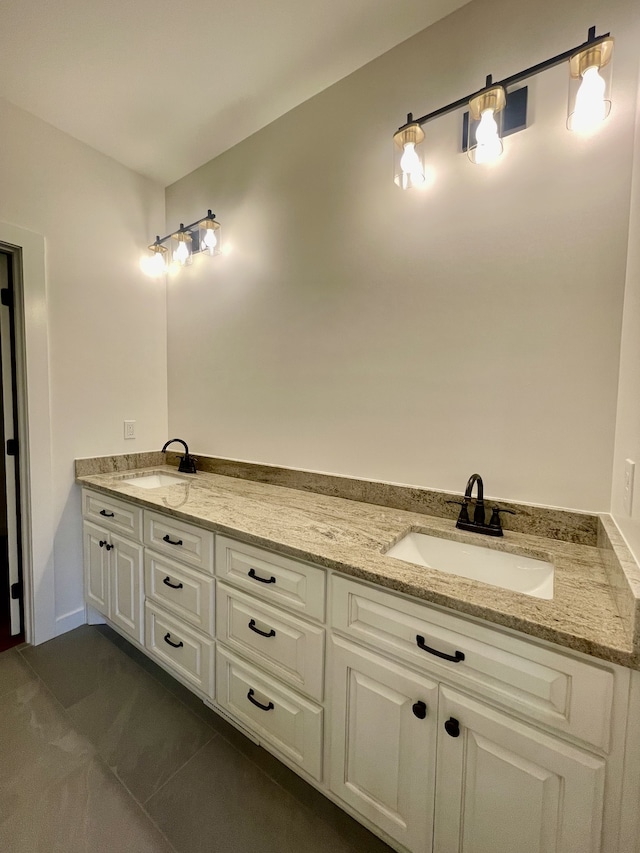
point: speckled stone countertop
(594, 608)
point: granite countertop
(585, 614)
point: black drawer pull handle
(459, 656)
(171, 541)
(255, 702)
(168, 641)
(103, 542)
(167, 581)
(107, 514)
(252, 574)
(252, 626)
(452, 727)
(420, 710)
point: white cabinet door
(503, 786)
(126, 587)
(96, 567)
(383, 735)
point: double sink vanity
(452, 692)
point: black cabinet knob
(420, 710)
(452, 727)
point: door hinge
(16, 590)
(12, 447)
(6, 296)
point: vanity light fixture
(495, 105)
(201, 236)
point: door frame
(34, 429)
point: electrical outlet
(629, 474)
(129, 429)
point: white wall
(417, 337)
(106, 320)
(627, 444)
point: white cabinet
(442, 733)
(503, 786)
(113, 578)
(383, 743)
(523, 759)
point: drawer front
(179, 540)
(186, 593)
(290, 723)
(279, 580)
(186, 651)
(119, 516)
(570, 695)
(289, 648)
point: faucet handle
(494, 521)
(464, 511)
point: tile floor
(102, 752)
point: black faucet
(479, 524)
(187, 463)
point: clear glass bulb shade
(591, 106)
(408, 170)
(181, 254)
(154, 265)
(209, 241)
(488, 145)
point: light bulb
(489, 144)
(154, 265)
(209, 241)
(411, 165)
(181, 254)
(591, 107)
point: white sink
(153, 481)
(498, 568)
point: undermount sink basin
(498, 568)
(153, 481)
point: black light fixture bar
(508, 81)
(184, 227)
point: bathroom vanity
(445, 714)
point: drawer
(179, 540)
(277, 715)
(287, 647)
(186, 651)
(279, 580)
(570, 695)
(119, 516)
(186, 593)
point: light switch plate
(129, 429)
(629, 474)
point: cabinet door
(126, 587)
(503, 786)
(383, 733)
(96, 567)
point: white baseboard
(70, 621)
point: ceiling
(163, 87)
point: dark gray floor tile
(143, 732)
(220, 802)
(14, 672)
(88, 811)
(38, 745)
(74, 664)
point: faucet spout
(187, 463)
(473, 479)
